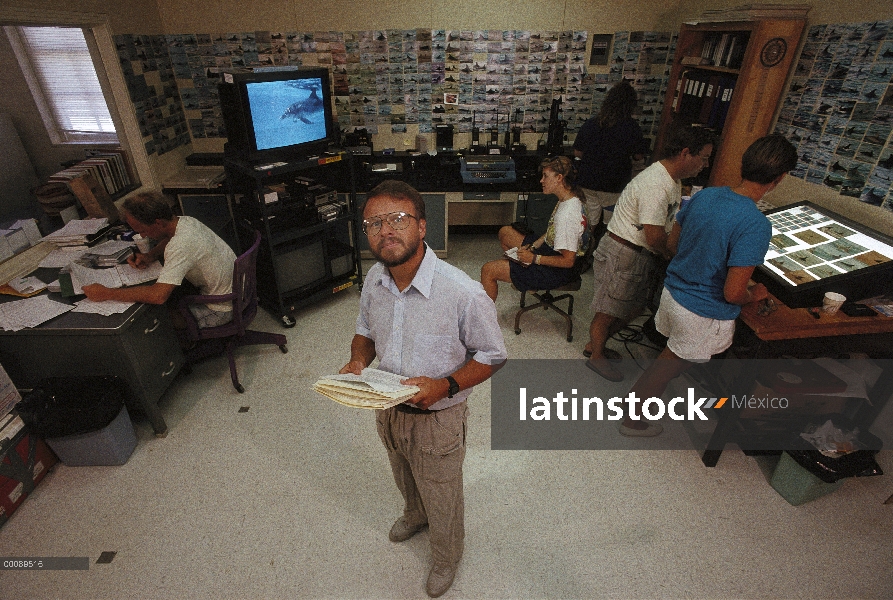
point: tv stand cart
(309, 247)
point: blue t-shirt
(720, 229)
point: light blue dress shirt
(433, 327)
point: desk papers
(30, 312)
(119, 276)
(373, 389)
(62, 257)
(77, 232)
(105, 308)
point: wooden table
(798, 323)
(796, 332)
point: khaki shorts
(597, 202)
(692, 337)
(623, 279)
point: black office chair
(547, 300)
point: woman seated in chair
(547, 262)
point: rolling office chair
(211, 341)
(549, 301)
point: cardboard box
(93, 197)
(9, 395)
(24, 462)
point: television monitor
(814, 250)
(277, 114)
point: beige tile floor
(294, 499)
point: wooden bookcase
(749, 73)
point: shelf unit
(303, 257)
(739, 103)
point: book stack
(107, 167)
(109, 254)
(724, 49)
(78, 232)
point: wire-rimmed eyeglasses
(396, 221)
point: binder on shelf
(721, 104)
(708, 99)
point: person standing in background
(627, 256)
(605, 148)
(718, 239)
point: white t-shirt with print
(651, 198)
(568, 221)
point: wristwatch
(454, 387)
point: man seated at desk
(190, 250)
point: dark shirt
(606, 164)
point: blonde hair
(564, 166)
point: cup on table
(832, 302)
(143, 245)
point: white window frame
(43, 97)
(108, 69)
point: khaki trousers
(426, 452)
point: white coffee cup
(143, 244)
(832, 302)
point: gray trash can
(84, 420)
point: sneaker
(440, 579)
(652, 430)
(400, 531)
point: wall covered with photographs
(839, 110)
(386, 80)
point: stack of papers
(119, 276)
(27, 286)
(109, 307)
(110, 253)
(373, 389)
(62, 257)
(77, 232)
(30, 312)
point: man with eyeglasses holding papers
(429, 321)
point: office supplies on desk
(24, 263)
(78, 233)
(106, 308)
(62, 257)
(30, 312)
(120, 276)
(109, 253)
(25, 286)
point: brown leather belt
(624, 242)
(408, 408)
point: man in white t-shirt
(625, 259)
(191, 251)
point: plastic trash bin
(83, 419)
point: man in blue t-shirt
(718, 239)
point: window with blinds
(57, 64)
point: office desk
(794, 331)
(138, 345)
